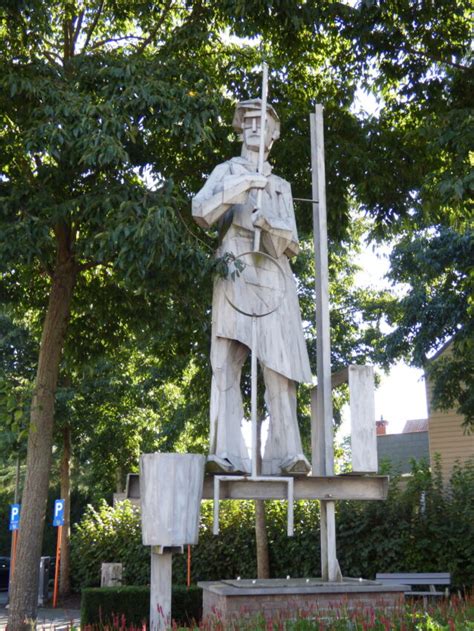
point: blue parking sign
(15, 516)
(58, 517)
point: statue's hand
(257, 219)
(254, 180)
(235, 188)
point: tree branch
(90, 265)
(65, 239)
(77, 29)
(52, 57)
(437, 58)
(93, 25)
(157, 27)
(66, 46)
(427, 55)
(102, 42)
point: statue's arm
(221, 191)
(279, 226)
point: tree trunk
(24, 592)
(261, 538)
(263, 561)
(65, 473)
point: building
(447, 437)
(400, 449)
(441, 434)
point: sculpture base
(280, 599)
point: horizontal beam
(340, 487)
(355, 487)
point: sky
(401, 394)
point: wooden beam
(340, 487)
(305, 488)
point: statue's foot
(296, 465)
(222, 466)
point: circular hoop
(260, 285)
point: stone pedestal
(111, 574)
(280, 599)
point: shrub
(109, 535)
(422, 527)
(100, 604)
(131, 604)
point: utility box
(43, 585)
(171, 492)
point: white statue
(229, 198)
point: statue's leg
(283, 452)
(228, 452)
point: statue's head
(247, 123)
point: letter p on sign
(58, 517)
(14, 516)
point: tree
(437, 308)
(419, 150)
(81, 122)
(91, 97)
(95, 96)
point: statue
(229, 199)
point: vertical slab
(363, 431)
(321, 417)
(160, 591)
(323, 395)
(318, 450)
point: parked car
(4, 573)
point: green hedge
(132, 603)
(420, 527)
(106, 535)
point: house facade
(447, 437)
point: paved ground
(48, 619)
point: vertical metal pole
(322, 430)
(160, 591)
(188, 567)
(253, 400)
(17, 481)
(215, 527)
(16, 497)
(13, 554)
(324, 400)
(57, 566)
(291, 515)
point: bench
(430, 579)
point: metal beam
(340, 487)
(322, 436)
(305, 488)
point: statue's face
(251, 131)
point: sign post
(58, 520)
(14, 525)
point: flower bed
(448, 615)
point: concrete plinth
(286, 599)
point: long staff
(256, 247)
(261, 150)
